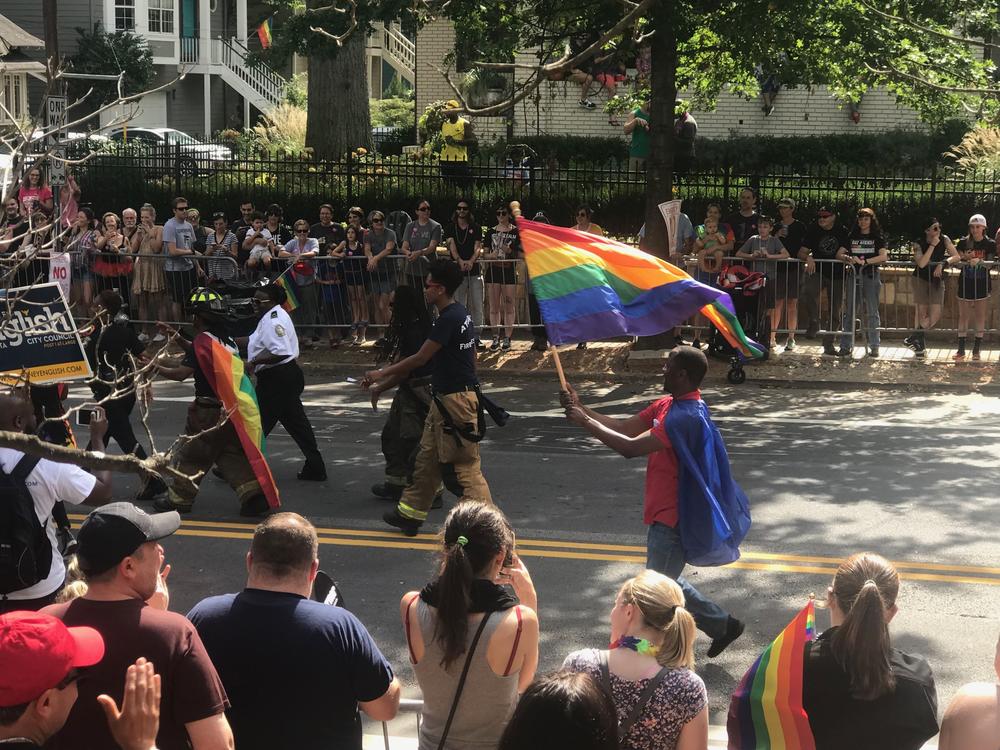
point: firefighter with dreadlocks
(407, 331)
(219, 446)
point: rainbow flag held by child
(590, 288)
(292, 301)
(226, 375)
(765, 712)
(264, 33)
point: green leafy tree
(704, 46)
(332, 36)
(110, 54)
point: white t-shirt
(48, 483)
(275, 333)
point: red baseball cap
(37, 651)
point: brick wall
(434, 41)
(801, 111)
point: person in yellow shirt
(458, 135)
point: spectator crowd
(806, 276)
(285, 663)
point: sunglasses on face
(501, 213)
(424, 208)
(301, 231)
(181, 208)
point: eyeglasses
(301, 231)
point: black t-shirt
(937, 257)
(411, 339)
(744, 227)
(902, 720)
(985, 249)
(454, 366)
(793, 235)
(866, 246)
(302, 693)
(107, 349)
(328, 238)
(824, 243)
(465, 243)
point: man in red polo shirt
(645, 434)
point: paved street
(912, 476)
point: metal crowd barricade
(406, 705)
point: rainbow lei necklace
(639, 645)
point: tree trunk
(660, 164)
(339, 120)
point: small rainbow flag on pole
(591, 287)
(225, 373)
(765, 712)
(264, 33)
(292, 299)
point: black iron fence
(904, 200)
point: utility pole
(49, 19)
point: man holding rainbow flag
(590, 288)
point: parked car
(168, 148)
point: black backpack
(25, 550)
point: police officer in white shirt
(272, 351)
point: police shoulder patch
(279, 330)
(274, 313)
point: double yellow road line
(619, 553)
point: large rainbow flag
(765, 712)
(225, 374)
(591, 287)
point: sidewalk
(806, 366)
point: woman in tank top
(466, 608)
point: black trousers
(279, 393)
(119, 413)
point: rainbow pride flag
(227, 377)
(765, 712)
(292, 301)
(591, 287)
(264, 33)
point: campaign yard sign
(38, 337)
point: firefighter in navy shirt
(454, 423)
(272, 352)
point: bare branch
(338, 39)
(891, 72)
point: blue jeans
(865, 289)
(664, 554)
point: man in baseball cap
(39, 662)
(121, 560)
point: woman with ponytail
(859, 691)
(473, 645)
(661, 703)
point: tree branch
(338, 39)
(890, 72)
(906, 21)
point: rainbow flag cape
(264, 33)
(289, 286)
(765, 712)
(224, 372)
(591, 287)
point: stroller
(748, 290)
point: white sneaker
(158, 338)
(143, 338)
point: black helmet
(208, 304)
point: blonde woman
(661, 703)
(149, 284)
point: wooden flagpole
(559, 368)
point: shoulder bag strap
(636, 712)
(24, 467)
(461, 680)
